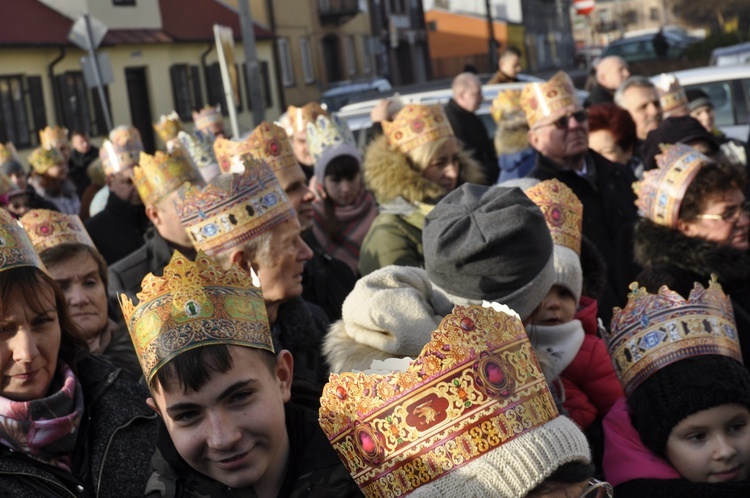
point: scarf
(561, 342)
(354, 222)
(45, 429)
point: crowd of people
(560, 311)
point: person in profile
(661, 44)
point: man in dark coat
(610, 73)
(82, 155)
(469, 129)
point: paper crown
(234, 208)
(194, 304)
(8, 153)
(672, 96)
(16, 248)
(562, 211)
(224, 150)
(199, 149)
(655, 330)
(206, 117)
(53, 136)
(474, 387)
(550, 99)
(42, 159)
(507, 106)
(298, 117)
(269, 143)
(660, 193)
(159, 175)
(326, 132)
(168, 126)
(7, 187)
(416, 125)
(122, 150)
(49, 229)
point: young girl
(343, 210)
(50, 180)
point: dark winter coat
(599, 95)
(115, 442)
(126, 275)
(682, 488)
(77, 166)
(117, 230)
(300, 328)
(326, 281)
(472, 133)
(313, 471)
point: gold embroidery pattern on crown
(325, 132)
(507, 106)
(16, 248)
(298, 117)
(53, 136)
(194, 304)
(655, 330)
(475, 386)
(269, 143)
(168, 126)
(48, 229)
(545, 99)
(415, 125)
(159, 175)
(562, 211)
(671, 94)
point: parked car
(732, 55)
(342, 93)
(641, 48)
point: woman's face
(29, 344)
(724, 220)
(343, 191)
(78, 277)
(604, 143)
(443, 167)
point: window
(186, 90)
(366, 59)
(215, 89)
(78, 113)
(14, 122)
(123, 3)
(654, 14)
(265, 84)
(285, 59)
(306, 55)
(351, 63)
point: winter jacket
(118, 230)
(77, 166)
(120, 352)
(473, 135)
(671, 258)
(66, 201)
(599, 95)
(515, 156)
(326, 281)
(116, 440)
(314, 469)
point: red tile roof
(30, 23)
(193, 20)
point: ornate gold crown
(269, 143)
(507, 106)
(42, 159)
(159, 175)
(224, 150)
(8, 152)
(562, 210)
(53, 136)
(298, 117)
(671, 95)
(122, 150)
(234, 208)
(475, 386)
(48, 229)
(660, 193)
(206, 117)
(655, 330)
(549, 99)
(168, 126)
(193, 305)
(415, 125)
(326, 132)
(199, 148)
(16, 248)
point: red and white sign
(584, 7)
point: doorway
(140, 105)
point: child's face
(18, 205)
(558, 306)
(19, 179)
(341, 190)
(712, 445)
(233, 429)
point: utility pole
(491, 33)
(252, 68)
(97, 73)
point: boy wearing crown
(205, 346)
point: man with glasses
(558, 130)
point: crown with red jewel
(416, 125)
(549, 100)
(562, 211)
(49, 229)
(269, 143)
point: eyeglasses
(731, 215)
(598, 489)
(562, 122)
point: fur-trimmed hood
(511, 138)
(389, 175)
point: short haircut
(713, 179)
(616, 120)
(510, 50)
(632, 82)
(463, 81)
(256, 249)
(63, 252)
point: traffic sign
(584, 7)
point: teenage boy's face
(233, 429)
(712, 445)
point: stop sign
(584, 7)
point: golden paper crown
(474, 387)
(53, 136)
(326, 132)
(159, 175)
(122, 150)
(656, 330)
(507, 106)
(660, 193)
(199, 148)
(224, 150)
(298, 117)
(7, 185)
(8, 153)
(48, 229)
(194, 304)
(206, 117)
(168, 126)
(416, 125)
(269, 143)
(42, 159)
(672, 96)
(550, 99)
(234, 208)
(16, 248)
(562, 211)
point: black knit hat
(681, 389)
(10, 167)
(697, 98)
(674, 130)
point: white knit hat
(568, 271)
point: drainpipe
(56, 93)
(276, 59)
(203, 68)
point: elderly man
(469, 129)
(558, 130)
(638, 96)
(610, 73)
(509, 66)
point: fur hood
(388, 174)
(511, 138)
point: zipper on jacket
(34, 476)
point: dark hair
(510, 50)
(63, 252)
(616, 120)
(192, 370)
(26, 282)
(565, 474)
(711, 180)
(344, 167)
(78, 132)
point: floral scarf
(45, 429)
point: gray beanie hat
(489, 243)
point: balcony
(337, 11)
